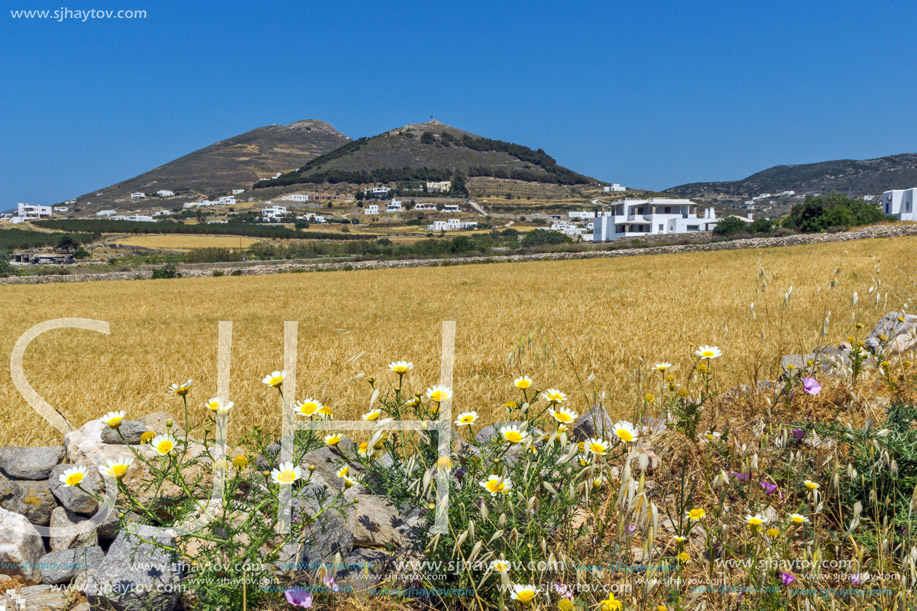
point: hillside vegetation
(429, 151)
(229, 164)
(858, 178)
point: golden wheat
(583, 325)
(186, 242)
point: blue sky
(650, 94)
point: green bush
(819, 214)
(166, 271)
(542, 237)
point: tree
(5, 268)
(542, 237)
(819, 214)
(66, 243)
(730, 225)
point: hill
(866, 177)
(429, 151)
(234, 163)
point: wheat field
(182, 242)
(585, 327)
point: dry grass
(609, 314)
(186, 242)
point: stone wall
(875, 231)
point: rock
(491, 432)
(33, 499)
(134, 576)
(364, 569)
(270, 458)
(30, 463)
(62, 518)
(156, 422)
(594, 423)
(374, 522)
(902, 344)
(63, 566)
(21, 546)
(130, 432)
(827, 359)
(324, 537)
(891, 328)
(327, 463)
(42, 597)
(72, 497)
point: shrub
(542, 237)
(166, 271)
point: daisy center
(286, 477)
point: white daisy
(217, 405)
(439, 393)
(275, 379)
(466, 418)
(163, 444)
(181, 389)
(401, 367)
(596, 446)
(552, 395)
(286, 473)
(626, 431)
(523, 593)
(372, 416)
(523, 382)
(708, 352)
(309, 407)
(496, 485)
(113, 419)
(72, 476)
(563, 415)
(117, 468)
(512, 433)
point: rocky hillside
(229, 164)
(866, 177)
(429, 151)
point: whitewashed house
(238, 191)
(451, 208)
(380, 192)
(273, 213)
(613, 188)
(141, 218)
(138, 195)
(900, 203)
(295, 197)
(106, 212)
(227, 200)
(162, 213)
(427, 207)
(394, 206)
(581, 214)
(439, 187)
(29, 212)
(641, 217)
(371, 209)
(452, 225)
(165, 193)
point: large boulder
(134, 576)
(30, 463)
(158, 423)
(364, 569)
(374, 522)
(884, 337)
(63, 566)
(72, 497)
(62, 519)
(21, 546)
(41, 597)
(33, 499)
(129, 432)
(324, 536)
(594, 423)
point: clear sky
(647, 93)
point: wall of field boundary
(875, 231)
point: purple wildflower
(811, 386)
(331, 584)
(298, 597)
(631, 529)
(742, 477)
(799, 433)
(858, 579)
(563, 590)
(787, 579)
(769, 488)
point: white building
(900, 203)
(227, 200)
(238, 191)
(439, 187)
(60, 208)
(28, 212)
(380, 192)
(371, 209)
(567, 228)
(581, 214)
(613, 188)
(106, 212)
(165, 193)
(394, 206)
(273, 213)
(640, 217)
(426, 207)
(452, 225)
(138, 195)
(295, 197)
(451, 208)
(162, 213)
(311, 217)
(141, 218)
(868, 198)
